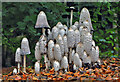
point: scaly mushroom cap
(77, 37)
(43, 43)
(62, 32)
(49, 35)
(83, 32)
(42, 21)
(87, 60)
(86, 24)
(59, 41)
(25, 46)
(93, 55)
(74, 27)
(56, 65)
(60, 25)
(64, 62)
(37, 51)
(93, 43)
(80, 49)
(55, 32)
(87, 42)
(85, 16)
(57, 52)
(77, 60)
(72, 55)
(76, 24)
(66, 29)
(71, 38)
(65, 44)
(18, 55)
(50, 50)
(37, 67)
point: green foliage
(19, 20)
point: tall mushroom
(18, 58)
(42, 22)
(37, 52)
(25, 50)
(85, 16)
(37, 67)
(65, 44)
(50, 50)
(77, 37)
(71, 40)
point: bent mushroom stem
(24, 63)
(18, 67)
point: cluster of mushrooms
(62, 46)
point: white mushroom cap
(93, 43)
(62, 32)
(37, 67)
(74, 67)
(85, 16)
(37, 51)
(72, 55)
(84, 55)
(77, 37)
(80, 49)
(65, 44)
(86, 24)
(93, 55)
(71, 38)
(18, 55)
(74, 27)
(43, 43)
(66, 29)
(60, 25)
(97, 52)
(77, 60)
(57, 52)
(50, 50)
(25, 46)
(87, 42)
(55, 32)
(64, 62)
(42, 21)
(76, 24)
(15, 71)
(56, 65)
(49, 35)
(59, 41)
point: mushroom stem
(45, 61)
(70, 55)
(18, 67)
(24, 64)
(71, 17)
(43, 31)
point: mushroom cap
(42, 21)
(43, 43)
(59, 25)
(77, 37)
(84, 56)
(55, 32)
(80, 49)
(66, 29)
(72, 55)
(93, 55)
(64, 62)
(76, 24)
(50, 50)
(85, 16)
(25, 46)
(62, 32)
(37, 67)
(57, 52)
(37, 51)
(77, 60)
(15, 71)
(93, 43)
(97, 52)
(56, 65)
(87, 42)
(73, 27)
(59, 41)
(87, 60)
(18, 55)
(65, 44)
(86, 24)
(71, 38)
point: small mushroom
(59, 25)
(49, 35)
(62, 32)
(93, 43)
(74, 27)
(55, 32)
(37, 52)
(66, 29)
(37, 67)
(50, 50)
(76, 24)
(18, 58)
(56, 66)
(65, 44)
(25, 50)
(15, 71)
(64, 63)
(77, 37)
